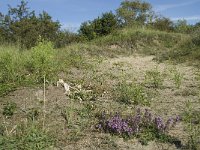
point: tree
(20, 12)
(108, 23)
(87, 30)
(163, 24)
(24, 27)
(65, 37)
(182, 26)
(197, 24)
(103, 25)
(134, 11)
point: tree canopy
(134, 11)
(100, 26)
(22, 26)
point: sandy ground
(168, 101)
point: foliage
(6, 65)
(100, 26)
(20, 12)
(131, 94)
(137, 125)
(192, 118)
(22, 26)
(41, 61)
(65, 38)
(163, 24)
(87, 30)
(196, 37)
(77, 116)
(9, 109)
(133, 11)
(108, 23)
(27, 68)
(154, 78)
(6, 88)
(181, 26)
(11, 66)
(187, 50)
(146, 41)
(177, 77)
(26, 139)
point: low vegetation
(131, 84)
(144, 126)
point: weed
(6, 88)
(131, 94)
(154, 78)
(33, 114)
(11, 66)
(77, 118)
(192, 118)
(9, 109)
(198, 75)
(67, 114)
(177, 77)
(27, 138)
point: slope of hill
(116, 73)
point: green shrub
(40, 62)
(100, 26)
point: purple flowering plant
(139, 124)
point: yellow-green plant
(41, 61)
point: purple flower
(134, 124)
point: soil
(167, 102)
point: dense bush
(101, 26)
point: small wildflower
(135, 124)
